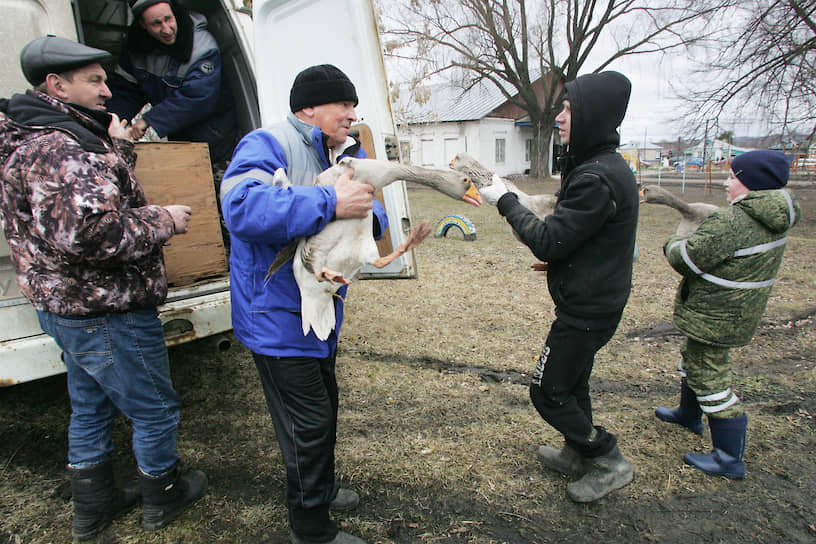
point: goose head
(465, 163)
(655, 194)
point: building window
(427, 152)
(528, 150)
(500, 150)
(405, 151)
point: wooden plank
(180, 173)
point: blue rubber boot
(688, 414)
(728, 437)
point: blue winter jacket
(190, 100)
(262, 219)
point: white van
(289, 35)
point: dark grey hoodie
(589, 239)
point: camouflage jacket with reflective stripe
(83, 238)
(729, 266)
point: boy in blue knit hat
(729, 265)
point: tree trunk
(540, 162)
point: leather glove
(493, 192)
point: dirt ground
(437, 433)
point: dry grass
(436, 430)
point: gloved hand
(493, 192)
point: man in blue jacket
(297, 371)
(171, 61)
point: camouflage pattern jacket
(83, 239)
(729, 266)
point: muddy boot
(341, 538)
(97, 501)
(688, 414)
(728, 438)
(604, 474)
(566, 461)
(168, 495)
(345, 501)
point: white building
(480, 121)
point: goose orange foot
(416, 237)
(326, 274)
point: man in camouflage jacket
(87, 251)
(729, 265)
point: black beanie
(138, 6)
(323, 84)
(762, 169)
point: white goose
(692, 213)
(334, 256)
(541, 205)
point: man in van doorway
(297, 371)
(172, 62)
(87, 250)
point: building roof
(447, 102)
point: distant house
(646, 153)
(715, 150)
(480, 121)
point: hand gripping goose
(333, 257)
(540, 204)
(484, 179)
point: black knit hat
(323, 84)
(138, 6)
(762, 169)
(55, 55)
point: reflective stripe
(790, 206)
(717, 280)
(256, 173)
(680, 368)
(738, 284)
(732, 399)
(715, 396)
(761, 248)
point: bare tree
(529, 48)
(764, 65)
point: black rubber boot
(728, 438)
(688, 414)
(97, 500)
(168, 495)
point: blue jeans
(117, 363)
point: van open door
(291, 35)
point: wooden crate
(180, 173)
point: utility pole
(706, 164)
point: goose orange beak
(472, 196)
(642, 193)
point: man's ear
(56, 86)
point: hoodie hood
(774, 209)
(598, 104)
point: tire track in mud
(773, 401)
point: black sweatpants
(560, 386)
(302, 397)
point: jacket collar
(39, 110)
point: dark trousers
(560, 386)
(301, 394)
